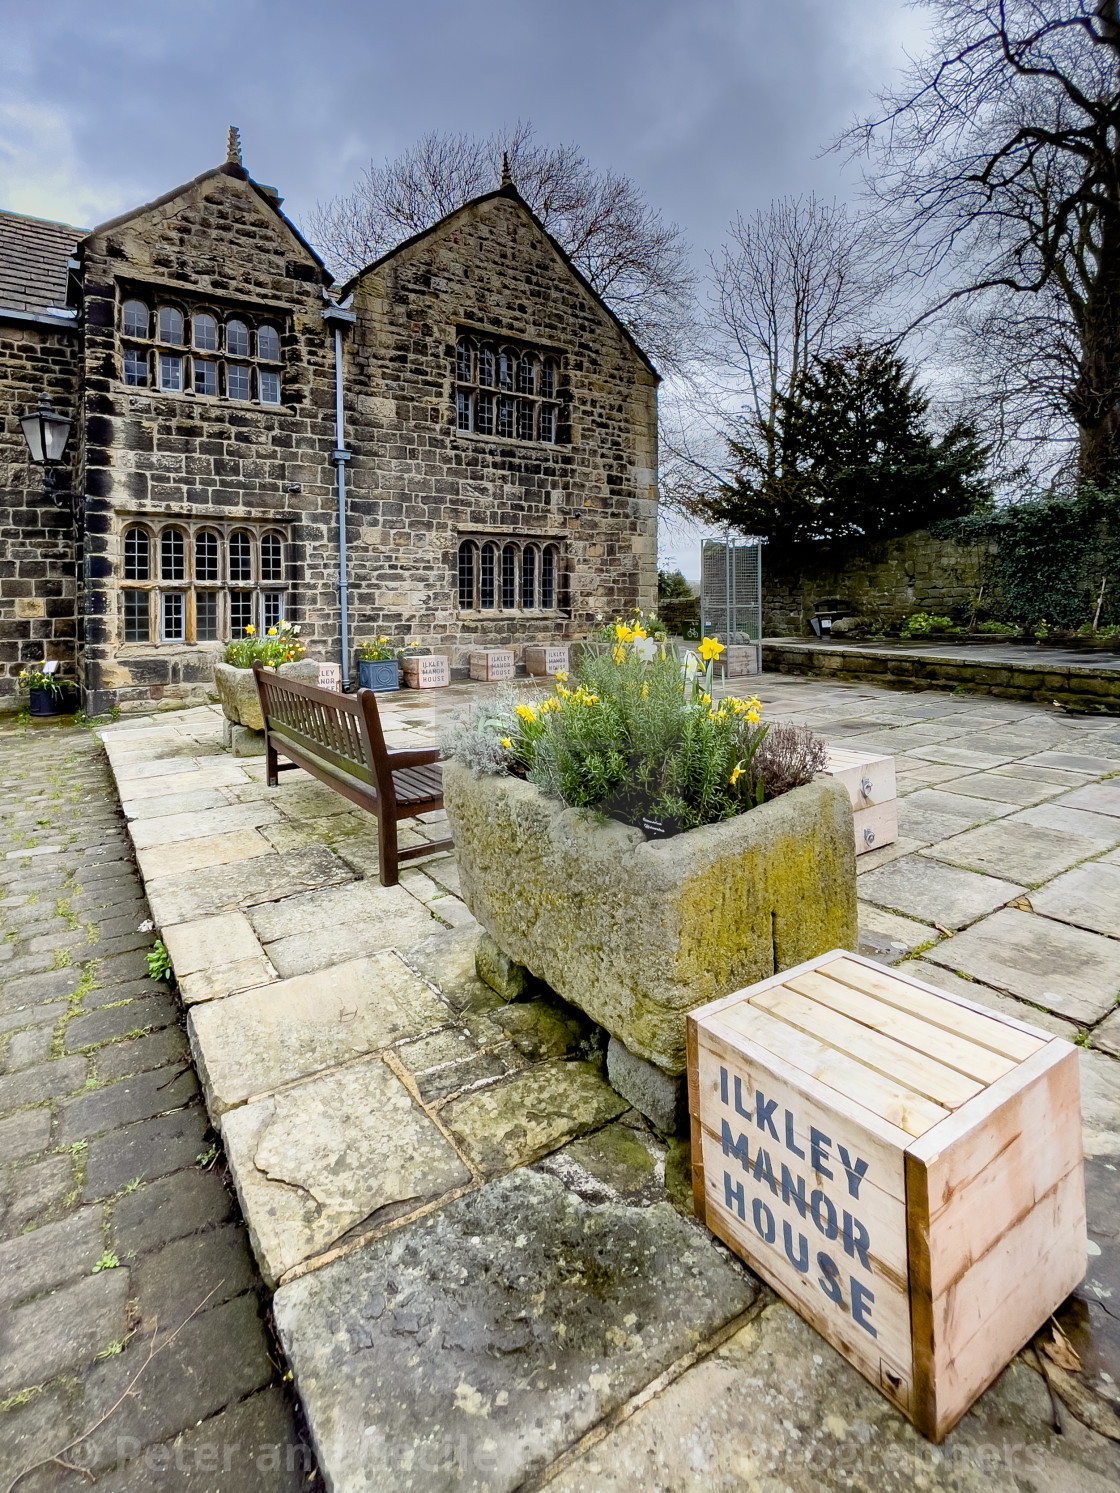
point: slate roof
(33, 255)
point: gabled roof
(267, 195)
(33, 263)
(509, 191)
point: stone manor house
(498, 442)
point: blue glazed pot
(378, 673)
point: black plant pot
(61, 701)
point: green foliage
(159, 962)
(672, 586)
(998, 629)
(382, 649)
(639, 738)
(280, 645)
(854, 455)
(108, 1261)
(921, 625)
(641, 624)
(1051, 555)
(34, 678)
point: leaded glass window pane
(172, 556)
(135, 368)
(240, 612)
(484, 414)
(466, 576)
(269, 386)
(548, 577)
(206, 556)
(268, 344)
(272, 558)
(205, 332)
(173, 625)
(136, 624)
(524, 420)
(546, 428)
(206, 616)
(205, 377)
(509, 577)
(272, 608)
(240, 556)
(237, 339)
(171, 325)
(505, 418)
(505, 370)
(525, 375)
(486, 578)
(463, 362)
(134, 319)
(462, 410)
(486, 367)
(237, 381)
(548, 380)
(170, 374)
(528, 576)
(137, 555)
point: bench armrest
(418, 757)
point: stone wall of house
(219, 247)
(418, 485)
(888, 579)
(38, 548)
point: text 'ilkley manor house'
(493, 422)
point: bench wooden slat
(338, 738)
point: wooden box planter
(904, 1167)
(544, 661)
(426, 671)
(381, 674)
(870, 781)
(492, 664)
(636, 933)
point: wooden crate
(492, 664)
(869, 779)
(426, 671)
(903, 1166)
(737, 661)
(546, 660)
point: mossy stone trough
(637, 933)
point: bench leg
(272, 765)
(387, 849)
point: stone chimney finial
(233, 146)
(507, 179)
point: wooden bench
(338, 739)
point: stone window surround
(257, 587)
(521, 545)
(155, 296)
(474, 341)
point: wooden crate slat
(955, 1052)
(945, 1086)
(892, 1101)
(986, 1029)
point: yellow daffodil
(637, 632)
(736, 773)
(622, 632)
(506, 743)
(525, 712)
(618, 653)
(705, 699)
(561, 676)
(249, 631)
(272, 632)
(709, 649)
(383, 640)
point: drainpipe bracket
(338, 457)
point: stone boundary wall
(885, 578)
(1078, 685)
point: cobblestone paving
(124, 1264)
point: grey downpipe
(340, 456)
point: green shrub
(997, 629)
(279, 645)
(921, 624)
(639, 738)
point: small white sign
(330, 676)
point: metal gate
(731, 593)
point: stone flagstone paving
(487, 1276)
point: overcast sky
(712, 106)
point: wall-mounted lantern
(46, 433)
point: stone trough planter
(637, 933)
(237, 691)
